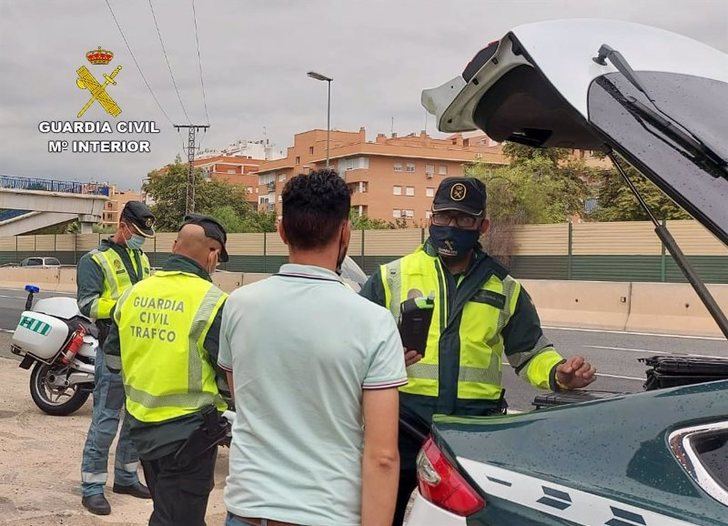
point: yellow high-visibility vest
(116, 279)
(479, 349)
(163, 322)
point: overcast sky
(255, 55)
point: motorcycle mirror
(32, 288)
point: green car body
(616, 449)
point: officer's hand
(575, 373)
(411, 357)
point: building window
(298, 159)
(410, 167)
(231, 171)
(363, 187)
(429, 169)
(409, 214)
(396, 213)
(430, 192)
(281, 178)
(397, 190)
(280, 198)
(397, 167)
(410, 191)
(310, 150)
(442, 170)
(428, 214)
(353, 163)
(267, 178)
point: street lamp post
(319, 76)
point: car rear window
(52, 261)
(712, 449)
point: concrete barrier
(673, 308)
(587, 304)
(19, 277)
(663, 308)
(252, 277)
(227, 281)
(67, 279)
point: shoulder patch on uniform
(490, 297)
(498, 269)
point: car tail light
(441, 484)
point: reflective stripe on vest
(163, 322)
(117, 279)
(481, 324)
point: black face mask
(342, 256)
(452, 242)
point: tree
(540, 185)
(253, 222)
(363, 222)
(532, 190)
(616, 202)
(520, 153)
(168, 190)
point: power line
(166, 58)
(137, 63)
(199, 61)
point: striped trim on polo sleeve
(388, 384)
(225, 367)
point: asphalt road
(615, 354)
(12, 304)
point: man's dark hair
(314, 206)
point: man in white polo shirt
(314, 369)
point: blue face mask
(135, 242)
(452, 242)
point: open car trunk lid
(540, 86)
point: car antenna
(677, 254)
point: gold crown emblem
(99, 56)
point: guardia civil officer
(102, 276)
(481, 314)
(165, 339)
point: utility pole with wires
(192, 130)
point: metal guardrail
(51, 185)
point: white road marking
(650, 351)
(711, 338)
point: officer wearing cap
(164, 338)
(102, 276)
(481, 316)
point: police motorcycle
(60, 344)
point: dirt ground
(40, 465)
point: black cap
(140, 217)
(213, 229)
(464, 194)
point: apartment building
(115, 204)
(238, 170)
(391, 178)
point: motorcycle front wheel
(54, 400)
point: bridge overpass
(30, 204)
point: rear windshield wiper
(660, 119)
